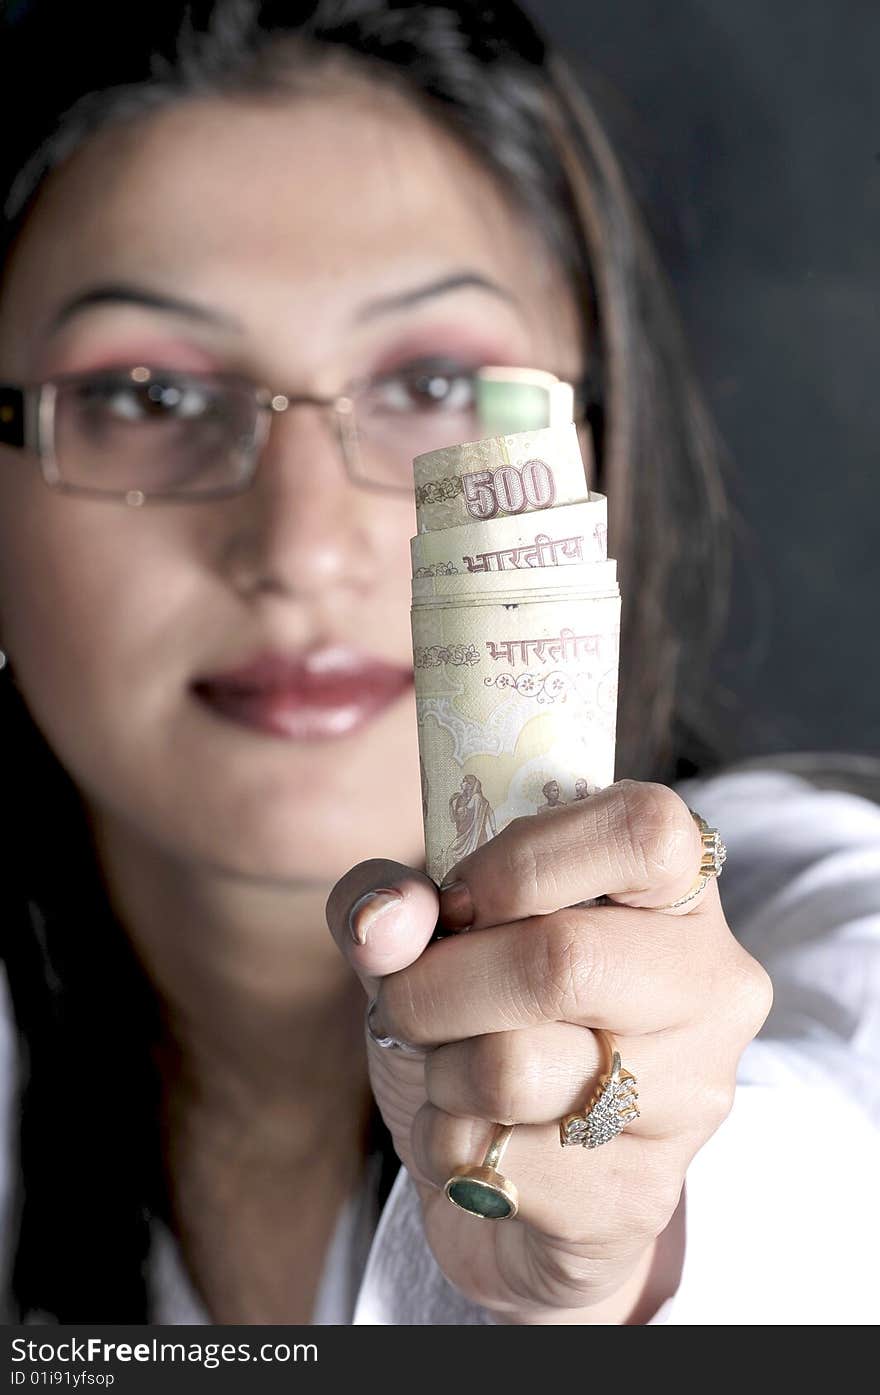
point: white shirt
(782, 1212)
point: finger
(382, 915)
(635, 843)
(629, 972)
(584, 1216)
(537, 1075)
(594, 1195)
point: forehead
(289, 205)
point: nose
(302, 529)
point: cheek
(390, 542)
(394, 528)
(78, 604)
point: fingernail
(368, 908)
(456, 907)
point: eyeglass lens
(168, 434)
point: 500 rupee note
(502, 475)
(515, 654)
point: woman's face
(302, 236)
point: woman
(207, 703)
(471, 813)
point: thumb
(382, 915)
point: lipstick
(316, 695)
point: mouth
(316, 695)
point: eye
(431, 385)
(167, 398)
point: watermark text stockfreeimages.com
(95, 1350)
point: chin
(305, 814)
(313, 844)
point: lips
(323, 693)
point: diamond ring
(612, 1107)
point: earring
(3, 660)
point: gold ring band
(713, 856)
(481, 1190)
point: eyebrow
(461, 280)
(136, 295)
(171, 305)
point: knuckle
(567, 971)
(520, 868)
(717, 1099)
(658, 830)
(750, 993)
(502, 1078)
(758, 992)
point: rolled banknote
(515, 669)
(519, 542)
(521, 585)
(499, 476)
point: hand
(503, 1015)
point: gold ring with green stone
(481, 1190)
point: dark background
(752, 134)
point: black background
(752, 133)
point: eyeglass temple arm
(12, 415)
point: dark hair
(485, 73)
